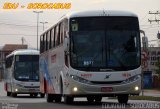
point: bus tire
(61, 86)
(123, 99)
(42, 95)
(57, 98)
(49, 98)
(14, 94)
(31, 95)
(8, 93)
(98, 99)
(68, 99)
(35, 95)
(90, 99)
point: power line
(16, 24)
(4, 19)
(150, 25)
(155, 20)
(17, 35)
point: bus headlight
(16, 90)
(75, 89)
(136, 88)
(79, 79)
(131, 79)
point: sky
(18, 23)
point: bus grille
(31, 86)
(106, 82)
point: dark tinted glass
(27, 67)
(105, 42)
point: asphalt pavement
(147, 92)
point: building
(150, 59)
(5, 50)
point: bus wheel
(8, 93)
(14, 94)
(58, 98)
(68, 99)
(31, 95)
(35, 95)
(49, 98)
(42, 95)
(123, 98)
(90, 99)
(98, 99)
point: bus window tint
(27, 67)
(42, 44)
(50, 39)
(46, 41)
(105, 42)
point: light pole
(37, 12)
(145, 48)
(43, 24)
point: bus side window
(53, 37)
(65, 27)
(61, 32)
(57, 35)
(48, 38)
(46, 41)
(41, 44)
(44, 37)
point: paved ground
(2, 92)
(154, 93)
(27, 102)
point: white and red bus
(22, 73)
(91, 54)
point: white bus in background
(91, 54)
(22, 73)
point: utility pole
(157, 20)
(37, 12)
(22, 40)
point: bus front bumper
(76, 88)
(23, 90)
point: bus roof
(24, 52)
(94, 13)
(97, 13)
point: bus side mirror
(66, 44)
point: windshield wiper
(105, 70)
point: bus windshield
(105, 43)
(26, 68)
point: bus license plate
(106, 89)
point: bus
(22, 73)
(91, 54)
